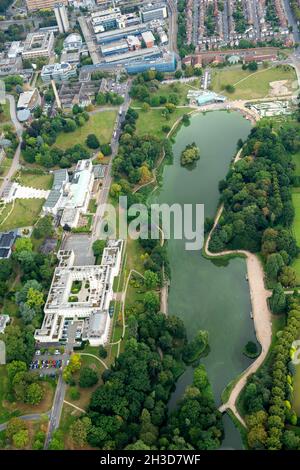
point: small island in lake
(189, 155)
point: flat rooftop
(61, 297)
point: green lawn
(88, 361)
(296, 223)
(92, 206)
(10, 307)
(5, 166)
(24, 213)
(151, 122)
(296, 394)
(5, 414)
(180, 89)
(296, 160)
(37, 181)
(5, 116)
(101, 124)
(255, 84)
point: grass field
(92, 206)
(26, 178)
(24, 213)
(180, 89)
(296, 223)
(5, 116)
(8, 409)
(5, 166)
(100, 124)
(296, 394)
(5, 414)
(250, 85)
(151, 122)
(296, 160)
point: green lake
(209, 295)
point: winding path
(30, 417)
(95, 357)
(261, 315)
(260, 310)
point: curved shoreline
(260, 309)
(258, 293)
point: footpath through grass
(101, 124)
(25, 213)
(251, 85)
(152, 121)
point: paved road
(56, 409)
(102, 199)
(98, 219)
(19, 129)
(32, 417)
(60, 391)
(291, 20)
(172, 12)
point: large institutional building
(71, 198)
(42, 4)
(89, 307)
(38, 44)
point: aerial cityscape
(149, 229)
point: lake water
(208, 294)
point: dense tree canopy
(256, 195)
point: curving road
(32, 417)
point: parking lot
(81, 245)
(47, 363)
(50, 361)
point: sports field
(251, 85)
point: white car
(56, 351)
(37, 352)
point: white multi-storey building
(71, 198)
(58, 72)
(90, 304)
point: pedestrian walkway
(16, 191)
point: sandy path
(260, 310)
